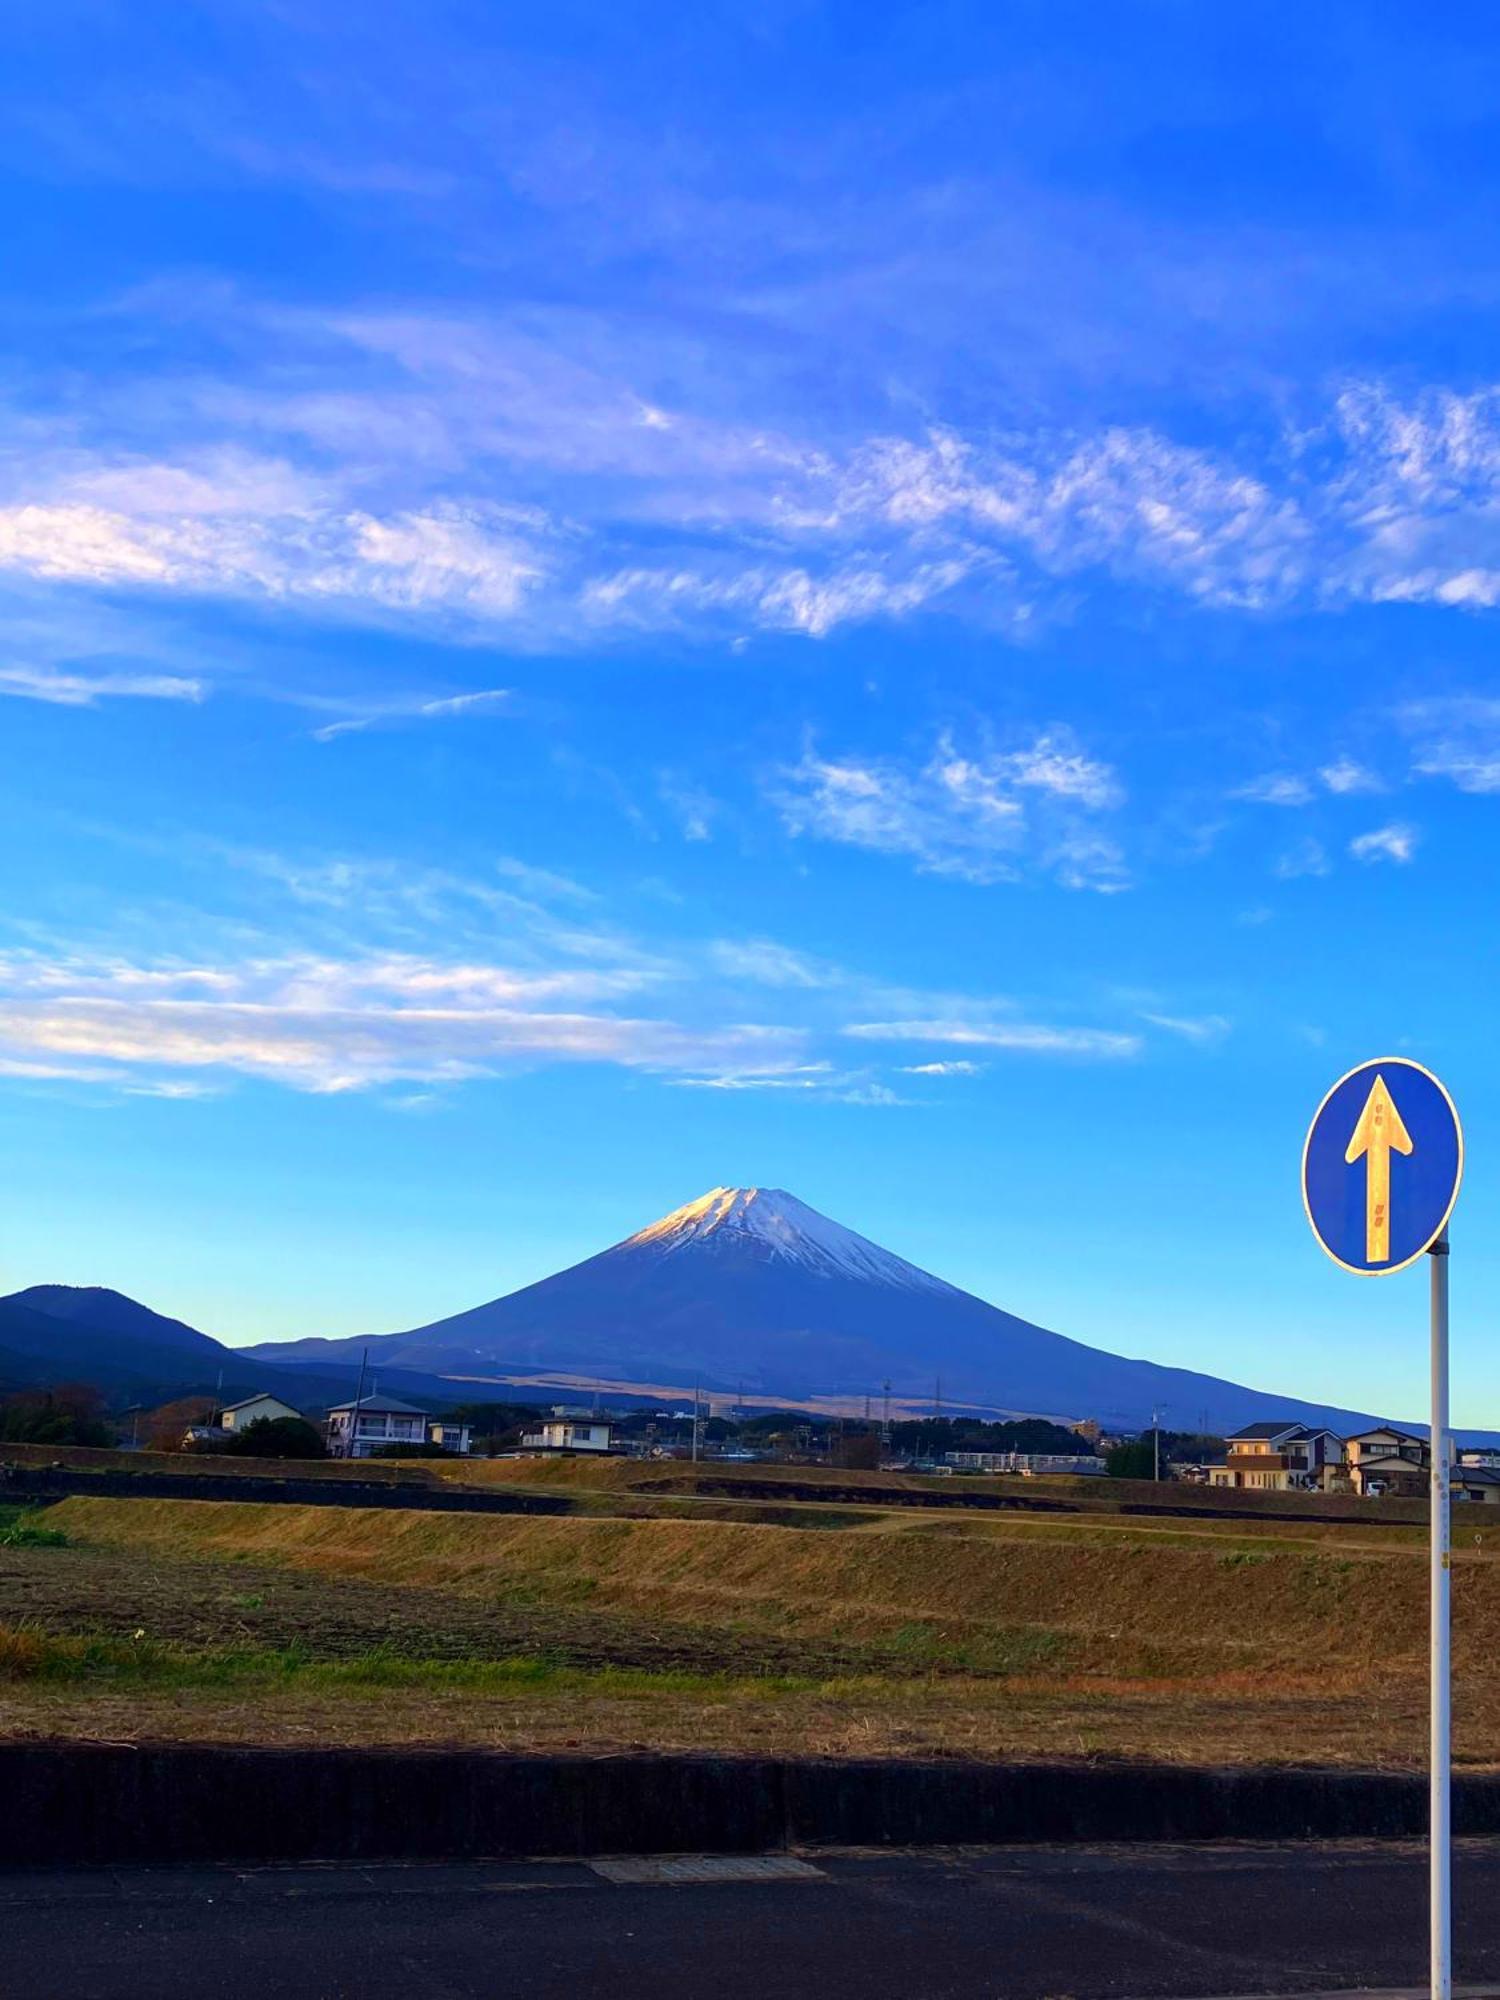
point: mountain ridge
(750, 1286)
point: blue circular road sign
(1381, 1166)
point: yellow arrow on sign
(1377, 1135)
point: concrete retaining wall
(69, 1803)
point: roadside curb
(71, 1802)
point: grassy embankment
(1084, 1635)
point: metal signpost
(1380, 1173)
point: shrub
(72, 1413)
(276, 1437)
(20, 1529)
(1135, 1460)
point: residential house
(569, 1434)
(450, 1435)
(1388, 1462)
(355, 1430)
(1479, 1484)
(1028, 1463)
(250, 1409)
(1278, 1457)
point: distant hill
(98, 1310)
(88, 1333)
(750, 1285)
(40, 1348)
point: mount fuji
(751, 1288)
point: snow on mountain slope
(777, 1224)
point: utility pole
(697, 1407)
(885, 1420)
(1156, 1416)
(359, 1396)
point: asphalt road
(1023, 1923)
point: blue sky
(897, 602)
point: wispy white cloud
(70, 689)
(819, 1081)
(1278, 788)
(1306, 857)
(483, 701)
(534, 881)
(1457, 738)
(1054, 764)
(486, 474)
(1129, 501)
(878, 1094)
(340, 974)
(1202, 1029)
(1396, 842)
(320, 1026)
(983, 817)
(1344, 776)
(176, 1090)
(768, 963)
(792, 599)
(1017, 1037)
(467, 559)
(809, 1076)
(695, 809)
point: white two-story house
(355, 1430)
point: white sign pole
(1441, 1749)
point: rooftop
(377, 1405)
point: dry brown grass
(1168, 1606)
(1190, 1640)
(1272, 1724)
(1255, 1597)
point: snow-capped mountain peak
(773, 1223)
